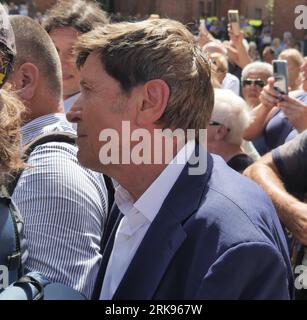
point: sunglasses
(258, 82)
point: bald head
(35, 46)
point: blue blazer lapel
(164, 237)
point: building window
(201, 8)
(258, 13)
(209, 8)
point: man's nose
(74, 114)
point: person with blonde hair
(11, 109)
(219, 62)
(295, 61)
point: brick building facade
(284, 17)
(186, 10)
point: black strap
(110, 188)
(31, 280)
(13, 259)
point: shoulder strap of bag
(9, 239)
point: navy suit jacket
(216, 236)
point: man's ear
(154, 98)
(25, 80)
(221, 133)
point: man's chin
(83, 160)
(88, 163)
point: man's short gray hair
(233, 112)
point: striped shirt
(64, 207)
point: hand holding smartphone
(234, 20)
(280, 69)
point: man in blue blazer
(185, 226)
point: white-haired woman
(229, 119)
(295, 61)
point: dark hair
(270, 48)
(81, 15)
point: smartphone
(234, 20)
(280, 69)
(202, 24)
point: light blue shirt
(64, 207)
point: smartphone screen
(280, 69)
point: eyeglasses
(258, 82)
(215, 123)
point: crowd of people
(74, 78)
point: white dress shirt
(137, 219)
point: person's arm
(204, 37)
(291, 211)
(262, 113)
(237, 42)
(238, 274)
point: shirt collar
(44, 124)
(152, 199)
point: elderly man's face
(102, 105)
(252, 89)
